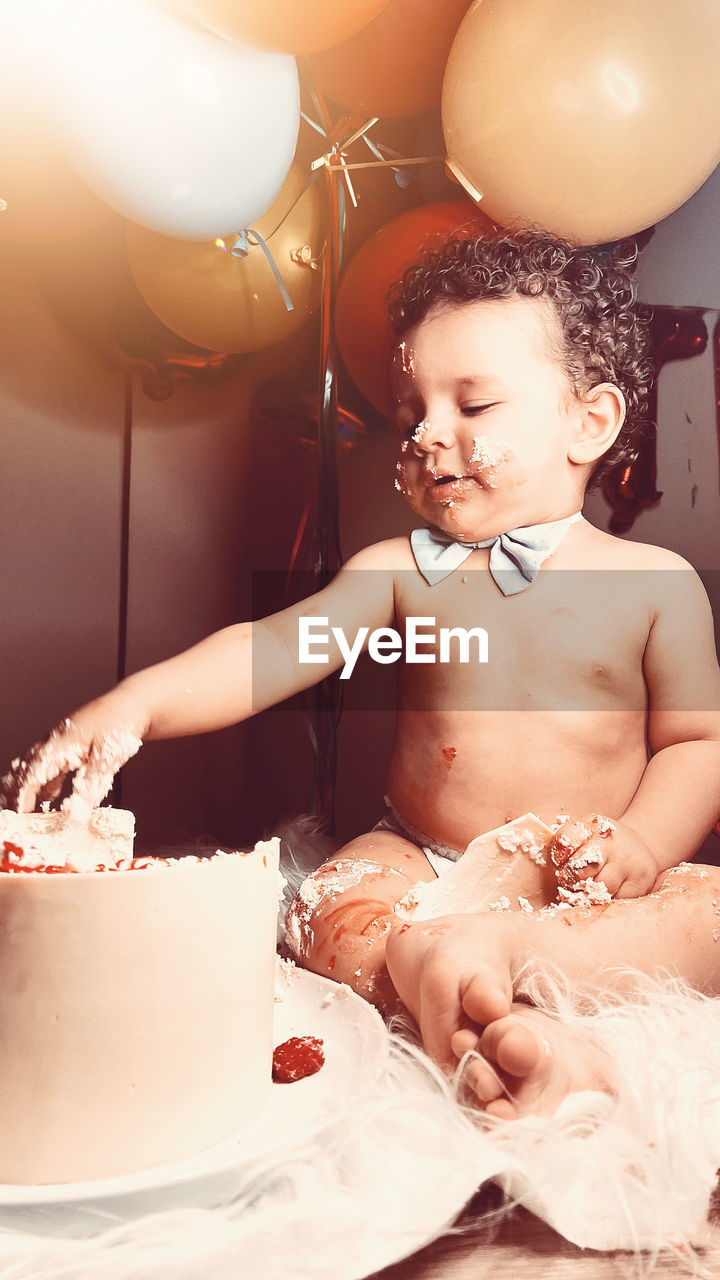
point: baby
(520, 376)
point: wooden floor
(523, 1248)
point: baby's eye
(471, 410)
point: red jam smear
(12, 855)
(9, 863)
(296, 1058)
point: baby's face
(486, 415)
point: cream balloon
(180, 131)
(592, 120)
(227, 303)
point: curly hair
(603, 333)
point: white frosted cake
(136, 1001)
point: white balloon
(176, 129)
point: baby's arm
(678, 800)
(226, 678)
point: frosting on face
(485, 365)
(486, 457)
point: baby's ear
(600, 415)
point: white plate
(355, 1043)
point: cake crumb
(605, 826)
(594, 893)
(285, 970)
(340, 992)
(522, 841)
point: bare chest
(573, 640)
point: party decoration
(285, 26)
(86, 285)
(435, 180)
(224, 302)
(181, 132)
(677, 333)
(365, 336)
(591, 120)
(395, 65)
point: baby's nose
(429, 435)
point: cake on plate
(136, 1002)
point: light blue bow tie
(515, 557)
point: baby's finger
(611, 879)
(588, 861)
(566, 842)
(634, 886)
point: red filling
(296, 1058)
(12, 853)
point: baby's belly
(455, 776)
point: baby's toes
(502, 1109)
(484, 1082)
(484, 998)
(513, 1047)
(464, 1041)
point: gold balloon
(226, 303)
(591, 119)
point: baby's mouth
(433, 479)
(441, 488)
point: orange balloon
(224, 303)
(379, 198)
(365, 336)
(394, 66)
(46, 200)
(285, 26)
(591, 120)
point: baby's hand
(93, 744)
(607, 851)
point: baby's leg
(340, 918)
(455, 975)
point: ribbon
(240, 249)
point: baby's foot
(535, 1059)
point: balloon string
(313, 124)
(240, 250)
(327, 555)
(395, 164)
